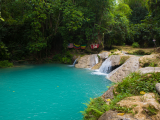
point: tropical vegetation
(36, 29)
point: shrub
(135, 83)
(5, 63)
(65, 58)
(95, 109)
(57, 57)
(135, 45)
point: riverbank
(134, 95)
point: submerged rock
(87, 61)
(131, 65)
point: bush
(57, 57)
(135, 83)
(65, 58)
(135, 45)
(5, 63)
(95, 109)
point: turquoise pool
(47, 92)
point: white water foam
(97, 72)
(106, 66)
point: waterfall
(106, 66)
(96, 59)
(75, 62)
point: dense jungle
(42, 29)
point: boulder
(115, 60)
(104, 54)
(110, 63)
(147, 59)
(97, 66)
(87, 61)
(113, 115)
(158, 87)
(140, 104)
(148, 70)
(109, 93)
(131, 65)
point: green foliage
(63, 58)
(135, 45)
(3, 51)
(123, 109)
(5, 63)
(136, 82)
(123, 59)
(150, 110)
(113, 54)
(140, 52)
(57, 57)
(95, 108)
(152, 64)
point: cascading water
(96, 59)
(106, 66)
(75, 62)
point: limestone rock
(109, 93)
(158, 87)
(97, 66)
(148, 70)
(147, 59)
(104, 54)
(140, 105)
(158, 50)
(87, 61)
(115, 60)
(131, 65)
(113, 115)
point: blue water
(47, 92)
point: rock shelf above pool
(131, 65)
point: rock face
(115, 60)
(141, 104)
(158, 87)
(112, 115)
(147, 59)
(148, 70)
(109, 64)
(87, 61)
(98, 65)
(104, 54)
(131, 65)
(109, 93)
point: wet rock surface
(87, 61)
(131, 65)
